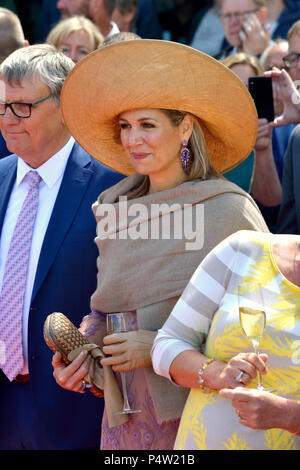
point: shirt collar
(51, 170)
(114, 29)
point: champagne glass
(252, 316)
(116, 323)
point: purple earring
(185, 156)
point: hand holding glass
(252, 316)
(116, 323)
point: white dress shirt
(114, 29)
(51, 172)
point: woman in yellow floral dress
(224, 409)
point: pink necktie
(14, 281)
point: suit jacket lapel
(72, 190)
(7, 180)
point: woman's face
(76, 46)
(152, 142)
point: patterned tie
(14, 281)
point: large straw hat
(157, 74)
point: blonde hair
(257, 3)
(295, 29)
(119, 37)
(75, 23)
(200, 166)
(241, 58)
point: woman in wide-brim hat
(171, 118)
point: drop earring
(185, 156)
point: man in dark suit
(289, 214)
(61, 272)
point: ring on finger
(85, 386)
(238, 412)
(239, 377)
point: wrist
(264, 148)
(201, 375)
(257, 50)
(209, 373)
(292, 412)
(287, 416)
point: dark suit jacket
(289, 214)
(64, 282)
(4, 152)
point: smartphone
(261, 91)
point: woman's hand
(241, 369)
(71, 377)
(257, 409)
(129, 350)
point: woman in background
(76, 37)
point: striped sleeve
(189, 322)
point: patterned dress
(141, 431)
(208, 311)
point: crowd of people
(137, 179)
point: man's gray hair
(41, 60)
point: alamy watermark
(155, 222)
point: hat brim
(157, 74)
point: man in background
(124, 15)
(289, 214)
(11, 38)
(47, 253)
(245, 28)
(98, 11)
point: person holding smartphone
(265, 186)
(288, 81)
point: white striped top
(208, 312)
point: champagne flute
(252, 316)
(116, 323)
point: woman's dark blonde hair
(70, 25)
(200, 164)
(241, 58)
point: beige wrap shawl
(149, 275)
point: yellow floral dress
(208, 311)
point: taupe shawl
(148, 275)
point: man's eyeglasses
(291, 60)
(21, 110)
(238, 15)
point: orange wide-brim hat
(157, 74)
